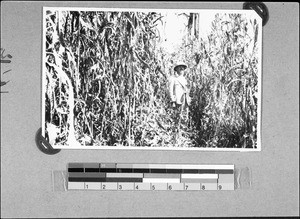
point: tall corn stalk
(111, 77)
(224, 82)
(58, 66)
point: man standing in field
(178, 89)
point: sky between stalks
(174, 28)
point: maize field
(106, 78)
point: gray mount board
(26, 183)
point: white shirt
(178, 88)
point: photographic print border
(259, 85)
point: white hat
(180, 64)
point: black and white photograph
(163, 79)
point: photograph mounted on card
(160, 79)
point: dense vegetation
(107, 75)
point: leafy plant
(106, 81)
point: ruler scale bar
(89, 174)
(75, 169)
(161, 180)
(199, 180)
(141, 170)
(108, 170)
(146, 177)
(151, 167)
(72, 179)
(160, 175)
(106, 179)
(125, 175)
(114, 170)
(199, 176)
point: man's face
(180, 70)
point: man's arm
(171, 89)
